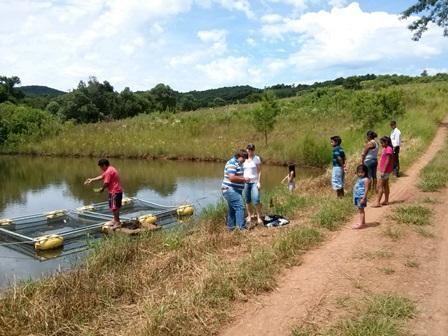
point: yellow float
(48, 242)
(86, 208)
(185, 210)
(55, 214)
(148, 219)
(126, 201)
(6, 221)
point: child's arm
(284, 179)
(366, 187)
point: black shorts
(115, 200)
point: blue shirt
(337, 151)
(359, 190)
(233, 167)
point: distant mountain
(39, 90)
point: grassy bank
(380, 315)
(301, 131)
(187, 281)
(435, 175)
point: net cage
(72, 230)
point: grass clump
(332, 212)
(435, 175)
(412, 215)
(394, 233)
(383, 316)
(424, 232)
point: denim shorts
(357, 201)
(337, 178)
(252, 193)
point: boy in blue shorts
(338, 172)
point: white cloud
(350, 37)
(271, 18)
(215, 35)
(230, 71)
(251, 41)
(337, 3)
(297, 4)
(239, 5)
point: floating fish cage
(62, 229)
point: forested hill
(40, 90)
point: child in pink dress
(386, 167)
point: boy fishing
(111, 181)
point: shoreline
(148, 157)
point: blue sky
(201, 44)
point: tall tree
(265, 116)
(435, 11)
(7, 88)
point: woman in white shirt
(252, 170)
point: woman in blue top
(360, 190)
(369, 157)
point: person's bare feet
(358, 226)
(385, 203)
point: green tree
(8, 90)
(435, 11)
(188, 102)
(265, 116)
(164, 98)
(129, 104)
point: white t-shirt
(250, 168)
(395, 137)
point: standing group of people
(367, 169)
(242, 173)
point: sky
(204, 44)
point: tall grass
(301, 132)
(435, 175)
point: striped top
(233, 167)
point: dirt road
(308, 293)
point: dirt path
(339, 268)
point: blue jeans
(235, 214)
(252, 193)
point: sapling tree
(265, 116)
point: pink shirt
(111, 177)
(388, 151)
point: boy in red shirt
(111, 181)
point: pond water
(31, 185)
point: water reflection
(35, 185)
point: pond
(33, 185)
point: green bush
(22, 124)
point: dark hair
(337, 139)
(371, 134)
(292, 168)
(386, 140)
(364, 169)
(241, 153)
(103, 162)
(250, 146)
(393, 123)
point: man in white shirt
(395, 136)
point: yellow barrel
(48, 242)
(6, 221)
(86, 208)
(55, 214)
(185, 210)
(148, 219)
